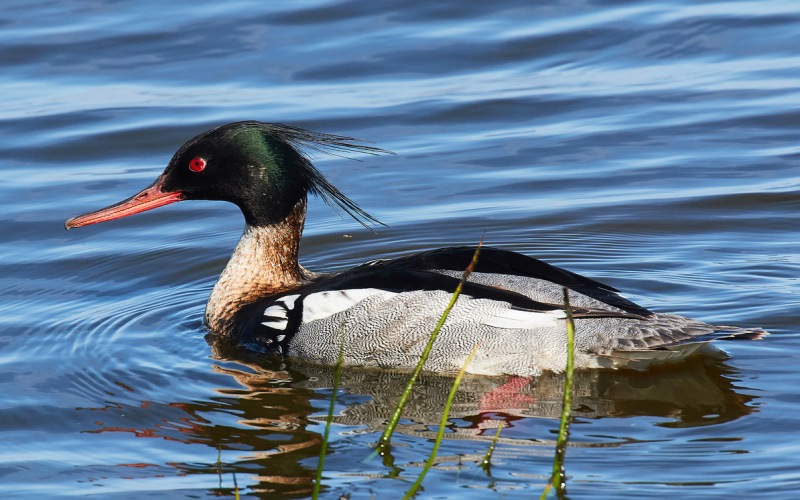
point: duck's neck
(264, 262)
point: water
(651, 145)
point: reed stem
(442, 425)
(337, 375)
(558, 476)
(384, 443)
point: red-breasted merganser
(386, 309)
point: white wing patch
(523, 319)
(276, 323)
(277, 315)
(321, 305)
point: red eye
(197, 164)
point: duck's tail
(737, 333)
(681, 350)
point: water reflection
(283, 398)
(268, 423)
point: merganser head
(258, 166)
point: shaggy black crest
(304, 141)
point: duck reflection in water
(267, 423)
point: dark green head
(258, 166)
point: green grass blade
(558, 476)
(442, 424)
(486, 463)
(384, 442)
(337, 375)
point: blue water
(651, 145)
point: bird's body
(385, 310)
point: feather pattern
(387, 309)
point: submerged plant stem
(384, 442)
(337, 375)
(486, 463)
(442, 424)
(558, 477)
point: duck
(382, 312)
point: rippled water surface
(651, 145)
